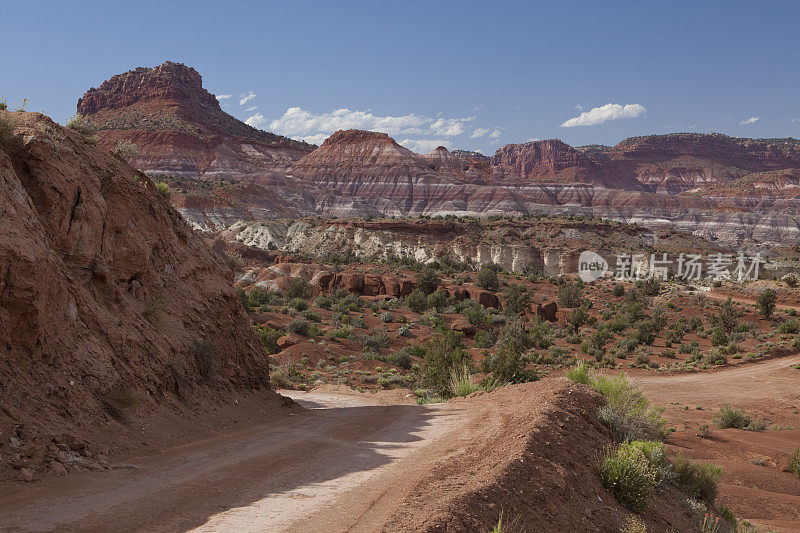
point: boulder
(286, 341)
(464, 327)
(547, 311)
(485, 298)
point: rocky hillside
(179, 127)
(110, 305)
(744, 192)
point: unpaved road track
(349, 460)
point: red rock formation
(551, 161)
(179, 127)
(104, 285)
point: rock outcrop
(107, 297)
(180, 129)
(739, 191)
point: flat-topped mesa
(179, 127)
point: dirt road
(347, 453)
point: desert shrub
(442, 354)
(516, 300)
(487, 278)
(642, 358)
(578, 317)
(163, 189)
(698, 480)
(323, 302)
(649, 286)
(730, 417)
(484, 339)
(404, 331)
(427, 281)
(204, 353)
(438, 299)
(416, 301)
(82, 125)
(375, 341)
(299, 304)
(718, 337)
(618, 290)
(570, 295)
(633, 524)
(286, 376)
(508, 363)
(401, 358)
(579, 373)
(630, 474)
(311, 316)
(757, 424)
(298, 326)
(791, 279)
(790, 326)
(6, 125)
(387, 317)
(476, 314)
(298, 288)
(628, 412)
(461, 383)
(269, 338)
(727, 317)
(715, 356)
(766, 303)
(260, 296)
(348, 302)
(794, 463)
(127, 149)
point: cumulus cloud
(298, 122)
(246, 98)
(749, 120)
(495, 134)
(423, 146)
(223, 96)
(479, 132)
(257, 121)
(599, 115)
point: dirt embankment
(111, 307)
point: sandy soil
(754, 484)
(366, 462)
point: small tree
(416, 301)
(578, 317)
(427, 281)
(516, 300)
(766, 303)
(570, 295)
(487, 278)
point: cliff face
(179, 127)
(105, 288)
(741, 191)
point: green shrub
(163, 189)
(6, 125)
(794, 463)
(766, 303)
(299, 288)
(442, 354)
(298, 304)
(484, 339)
(416, 301)
(311, 316)
(579, 373)
(628, 413)
(619, 290)
(570, 295)
(732, 418)
(269, 338)
(82, 125)
(487, 278)
(387, 317)
(718, 337)
(699, 480)
(127, 149)
(516, 300)
(260, 296)
(323, 302)
(790, 326)
(298, 326)
(461, 383)
(404, 331)
(427, 281)
(438, 299)
(630, 474)
(375, 341)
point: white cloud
(495, 134)
(223, 96)
(533, 140)
(247, 98)
(423, 146)
(750, 120)
(252, 108)
(479, 132)
(449, 126)
(257, 121)
(319, 138)
(598, 115)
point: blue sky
(472, 75)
